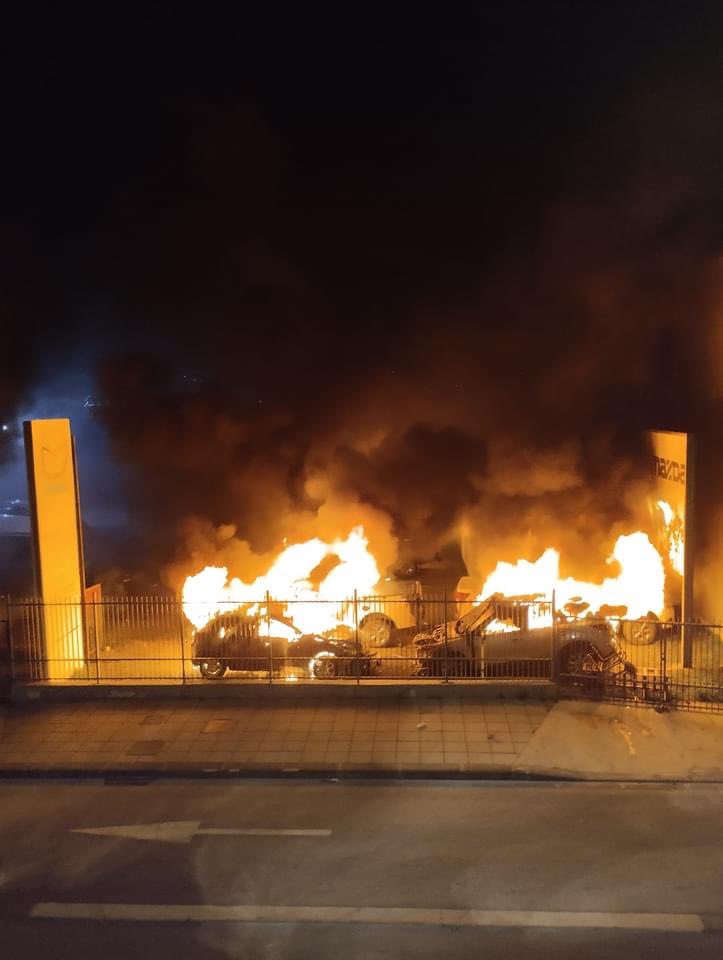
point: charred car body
(396, 609)
(503, 637)
(405, 601)
(240, 642)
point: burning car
(514, 637)
(239, 641)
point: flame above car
(313, 609)
(636, 589)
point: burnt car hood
(310, 644)
(240, 628)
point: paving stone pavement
(384, 735)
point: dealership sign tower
(674, 473)
(57, 544)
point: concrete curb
(280, 693)
(178, 771)
(586, 776)
(138, 774)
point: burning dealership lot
(312, 577)
(636, 591)
(332, 607)
(520, 600)
(334, 589)
(285, 605)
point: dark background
(422, 254)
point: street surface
(367, 869)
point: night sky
(418, 253)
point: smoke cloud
(501, 404)
(432, 274)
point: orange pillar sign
(57, 542)
(674, 472)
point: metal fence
(363, 640)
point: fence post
(357, 669)
(555, 671)
(179, 602)
(663, 666)
(446, 645)
(11, 645)
(268, 634)
(96, 643)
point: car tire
(212, 669)
(573, 657)
(457, 665)
(376, 630)
(430, 668)
(639, 633)
(325, 668)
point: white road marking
(260, 832)
(183, 831)
(243, 913)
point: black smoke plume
(435, 273)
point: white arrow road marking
(198, 913)
(183, 831)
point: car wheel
(429, 668)
(578, 660)
(640, 632)
(376, 630)
(433, 669)
(212, 669)
(458, 665)
(325, 667)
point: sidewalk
(451, 737)
(383, 735)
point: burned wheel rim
(574, 660)
(212, 669)
(640, 632)
(376, 630)
(325, 668)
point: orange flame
(312, 610)
(674, 536)
(501, 626)
(635, 591)
(639, 587)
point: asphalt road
(363, 869)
